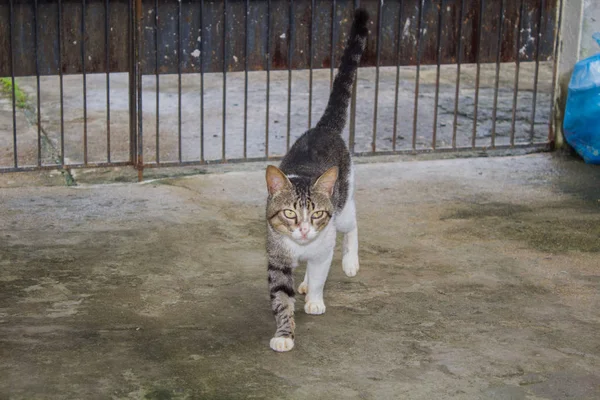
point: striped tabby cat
(311, 197)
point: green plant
(6, 88)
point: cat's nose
(304, 228)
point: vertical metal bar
(398, 41)
(517, 67)
(107, 55)
(179, 80)
(551, 127)
(332, 48)
(132, 86)
(497, 81)
(201, 80)
(537, 69)
(85, 133)
(247, 11)
(437, 73)
(460, 25)
(310, 61)
(60, 77)
(378, 57)
(478, 74)
(224, 137)
(418, 73)
(37, 78)
(157, 78)
(12, 77)
(290, 40)
(138, 69)
(268, 61)
(352, 128)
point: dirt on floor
(479, 279)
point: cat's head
(298, 207)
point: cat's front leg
(317, 270)
(281, 288)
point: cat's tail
(336, 113)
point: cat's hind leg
(346, 223)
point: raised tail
(336, 113)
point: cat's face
(297, 208)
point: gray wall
(589, 25)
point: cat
(311, 197)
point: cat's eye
(289, 214)
(318, 214)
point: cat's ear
(276, 180)
(326, 182)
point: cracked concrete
(479, 280)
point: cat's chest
(321, 244)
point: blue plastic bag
(582, 115)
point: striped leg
(281, 288)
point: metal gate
(149, 83)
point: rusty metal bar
(418, 72)
(478, 73)
(378, 50)
(139, 25)
(352, 127)
(179, 81)
(157, 79)
(132, 85)
(12, 78)
(517, 67)
(460, 43)
(332, 48)
(534, 147)
(290, 40)
(436, 101)
(107, 61)
(60, 77)
(85, 130)
(224, 137)
(540, 147)
(310, 61)
(536, 71)
(202, 80)
(268, 67)
(551, 130)
(247, 33)
(37, 87)
(497, 81)
(50, 167)
(398, 47)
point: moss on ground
(6, 88)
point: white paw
(314, 307)
(282, 343)
(303, 288)
(350, 264)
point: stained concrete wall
(590, 24)
(580, 20)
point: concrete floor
(479, 280)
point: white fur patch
(315, 307)
(303, 288)
(350, 263)
(282, 344)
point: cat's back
(314, 153)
